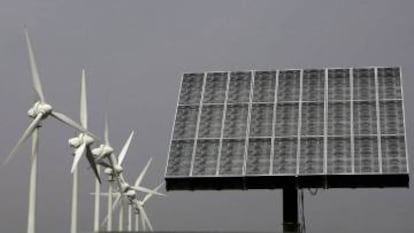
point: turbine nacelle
(124, 186)
(40, 108)
(102, 151)
(76, 142)
(108, 171)
(131, 194)
(118, 169)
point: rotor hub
(97, 151)
(131, 194)
(103, 151)
(43, 108)
(108, 171)
(75, 142)
(87, 139)
(107, 150)
(124, 186)
(118, 169)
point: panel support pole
(290, 210)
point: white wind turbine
(126, 189)
(140, 210)
(104, 151)
(114, 168)
(130, 192)
(114, 171)
(81, 143)
(40, 111)
(135, 204)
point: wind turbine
(104, 151)
(81, 143)
(145, 222)
(127, 190)
(114, 168)
(40, 111)
(134, 203)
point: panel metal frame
(249, 117)
(351, 86)
(273, 137)
(379, 138)
(299, 137)
(325, 124)
(173, 125)
(404, 122)
(223, 120)
(200, 109)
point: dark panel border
(280, 182)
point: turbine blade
(141, 175)
(105, 194)
(101, 194)
(26, 134)
(149, 195)
(33, 67)
(78, 153)
(35, 143)
(117, 200)
(144, 214)
(92, 164)
(125, 149)
(65, 119)
(146, 190)
(106, 130)
(83, 102)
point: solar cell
(333, 127)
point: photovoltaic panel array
(334, 127)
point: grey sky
(137, 50)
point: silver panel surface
(293, 123)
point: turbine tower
(40, 111)
(97, 204)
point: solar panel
(333, 127)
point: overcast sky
(136, 51)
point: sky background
(135, 51)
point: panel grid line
(299, 122)
(351, 89)
(294, 136)
(378, 120)
(173, 127)
(272, 149)
(249, 116)
(325, 126)
(223, 120)
(198, 124)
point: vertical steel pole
(129, 218)
(97, 203)
(121, 217)
(31, 218)
(109, 223)
(74, 211)
(290, 211)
